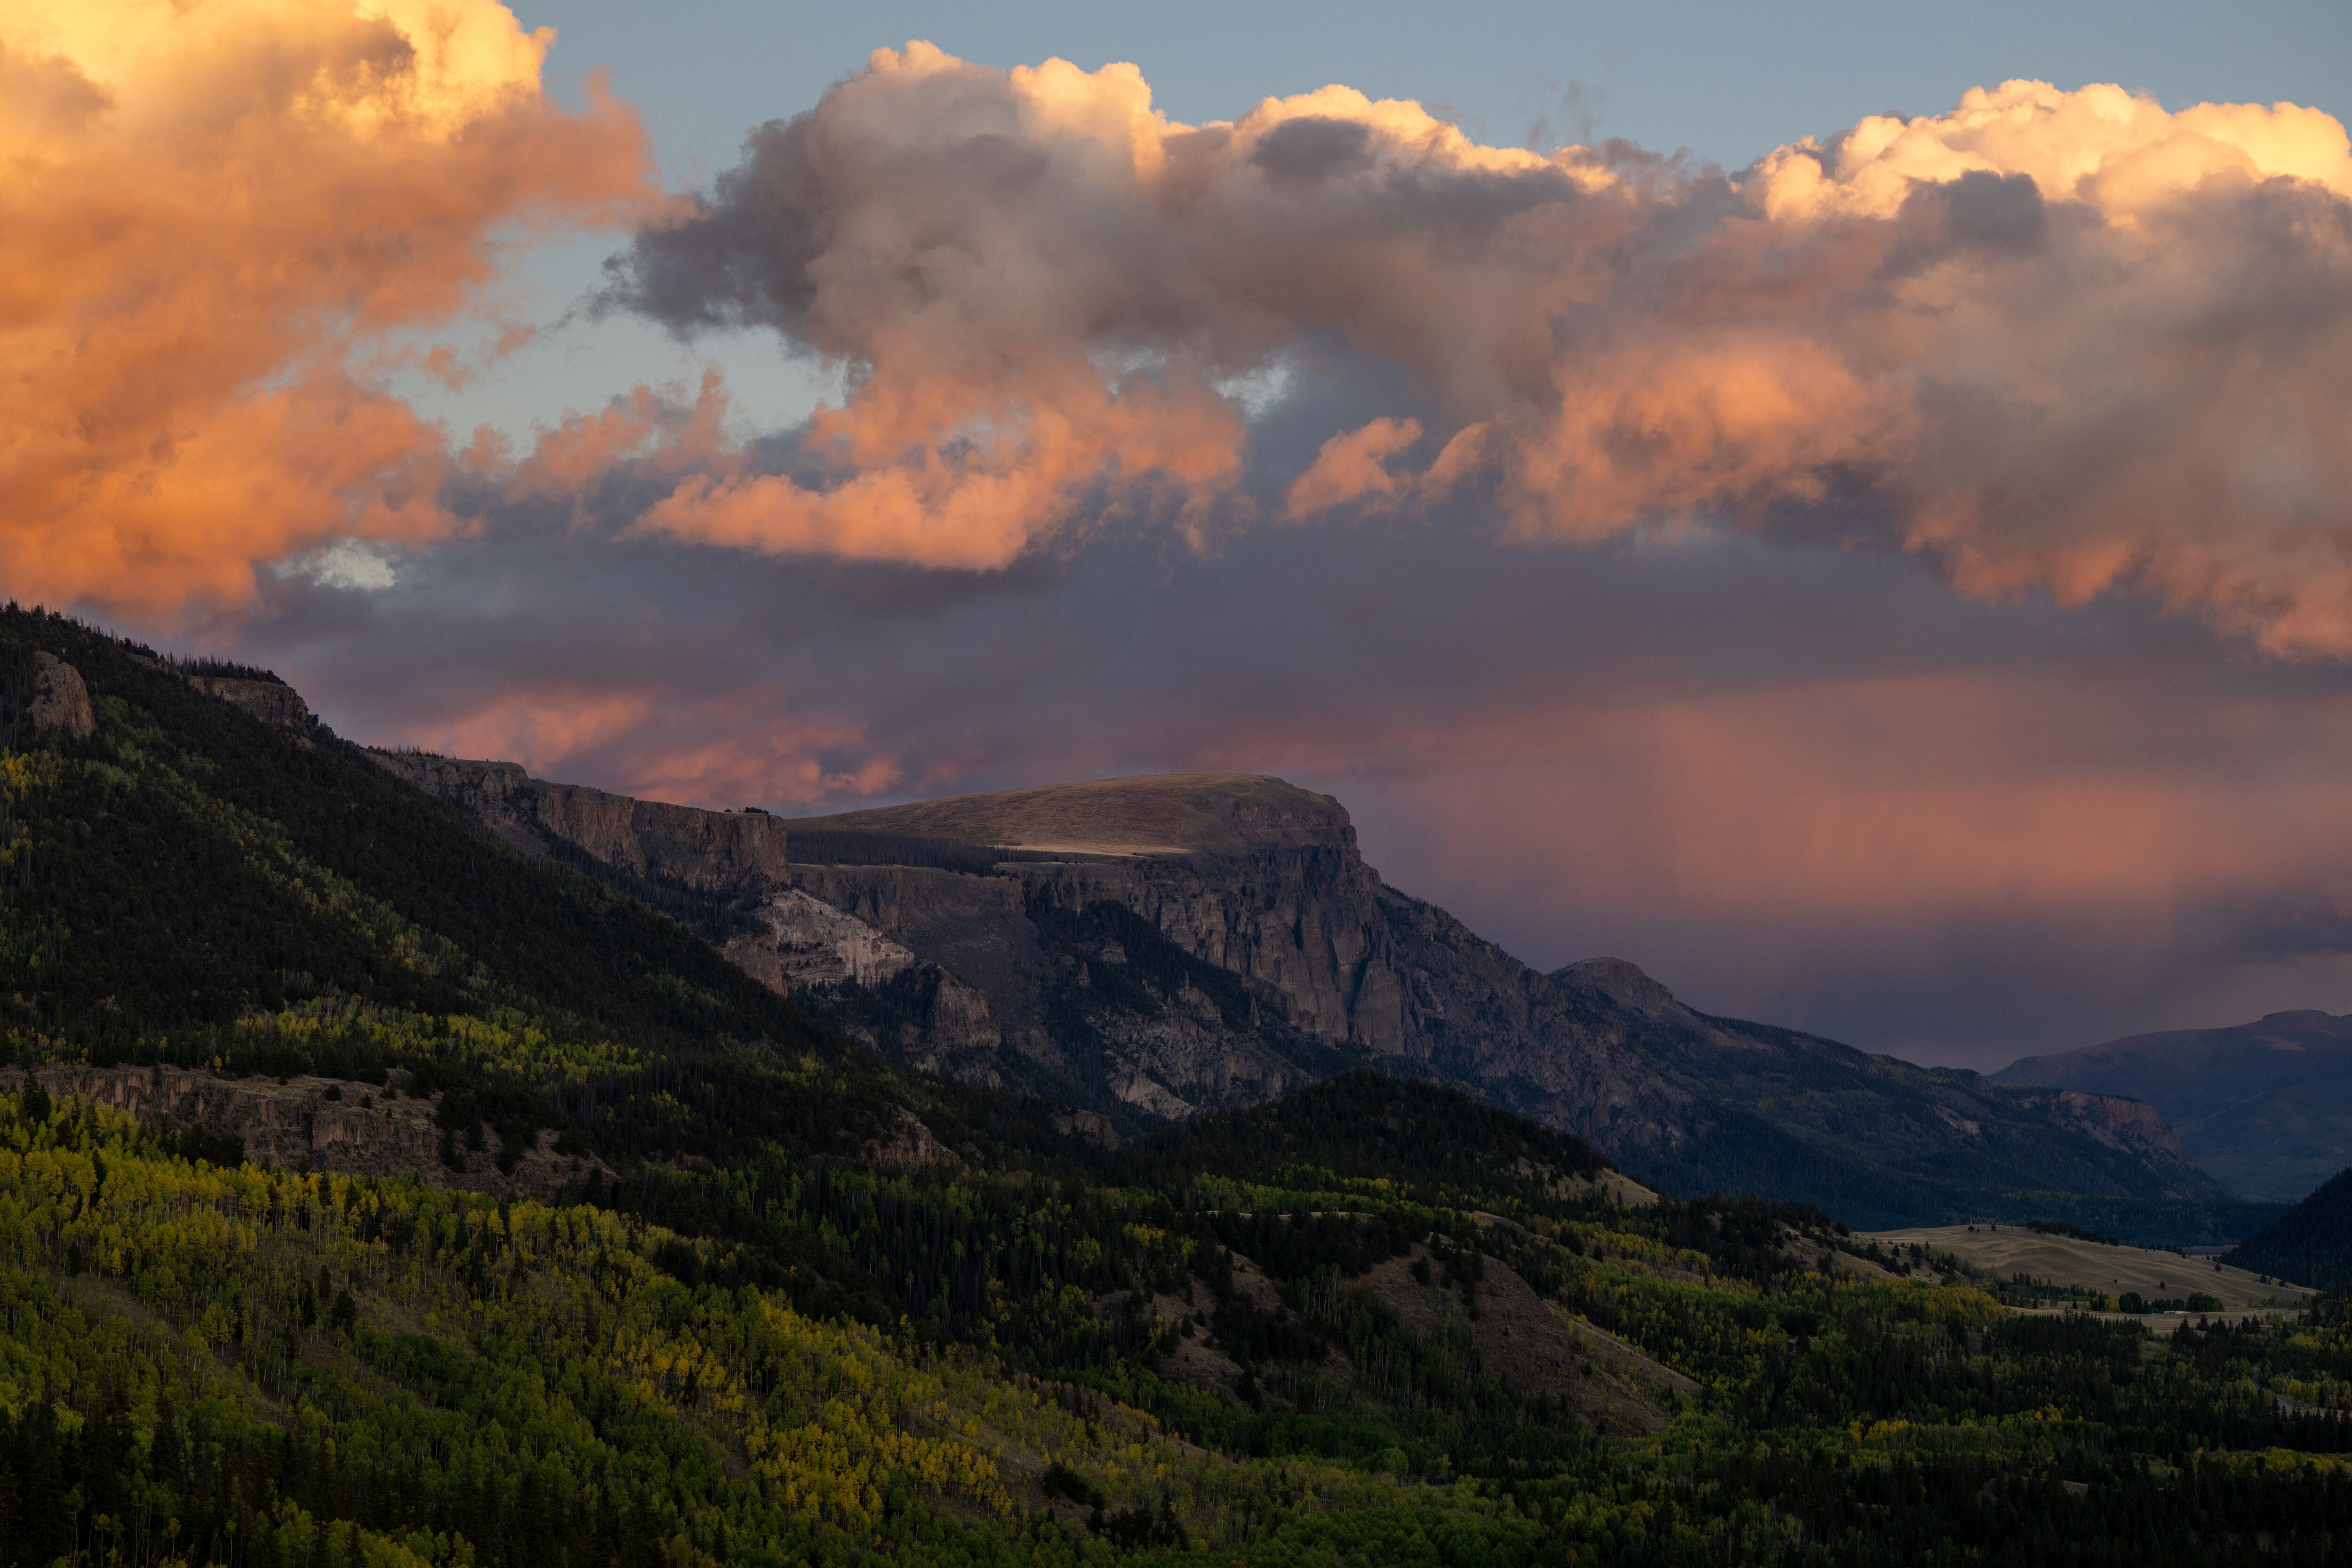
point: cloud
(347, 564)
(1797, 781)
(1353, 466)
(2066, 341)
(216, 213)
(2044, 347)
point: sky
(1846, 506)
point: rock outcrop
(726, 854)
(872, 985)
(308, 1123)
(2132, 1126)
(1142, 949)
(909, 1146)
(271, 702)
(803, 942)
(60, 700)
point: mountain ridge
(726, 853)
(769, 1297)
(1149, 947)
(2266, 1106)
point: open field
(2063, 1260)
(2163, 1325)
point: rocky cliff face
(270, 701)
(2132, 1126)
(1142, 949)
(1217, 938)
(725, 853)
(60, 700)
(1326, 951)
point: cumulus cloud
(2069, 341)
(216, 212)
(2066, 341)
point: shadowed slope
(2265, 1107)
(2311, 1244)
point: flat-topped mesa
(728, 854)
(1161, 814)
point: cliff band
(1144, 949)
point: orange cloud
(1953, 863)
(2061, 341)
(214, 211)
(977, 499)
(722, 749)
(1352, 466)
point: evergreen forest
(681, 1285)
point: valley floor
(2098, 1268)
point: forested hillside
(790, 1304)
(192, 886)
(2311, 1244)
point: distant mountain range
(1141, 950)
(2265, 1107)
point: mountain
(2265, 1107)
(199, 879)
(1133, 949)
(1167, 944)
(383, 1185)
(1144, 949)
(1867, 1136)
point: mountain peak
(1620, 980)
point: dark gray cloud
(1801, 782)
